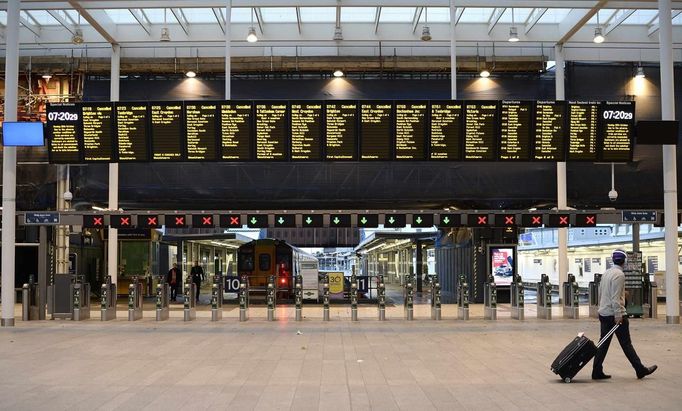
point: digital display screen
(167, 130)
(618, 123)
(410, 130)
(63, 121)
(550, 131)
(341, 131)
(502, 264)
(447, 130)
(98, 132)
(306, 131)
(583, 126)
(375, 131)
(235, 131)
(480, 129)
(515, 130)
(22, 134)
(131, 123)
(201, 131)
(271, 131)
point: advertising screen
(502, 264)
(22, 134)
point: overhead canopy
(387, 241)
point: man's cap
(619, 256)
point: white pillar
(562, 201)
(672, 297)
(453, 51)
(112, 243)
(9, 164)
(228, 52)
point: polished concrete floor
(421, 364)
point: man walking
(197, 275)
(612, 312)
(174, 278)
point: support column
(228, 51)
(9, 165)
(112, 243)
(562, 201)
(453, 50)
(635, 237)
(420, 265)
(42, 270)
(672, 297)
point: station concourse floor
(336, 365)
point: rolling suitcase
(576, 355)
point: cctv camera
(68, 196)
(613, 195)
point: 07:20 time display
(618, 115)
(62, 116)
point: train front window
(246, 262)
(264, 262)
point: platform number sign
(363, 283)
(232, 284)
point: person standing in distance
(612, 312)
(174, 278)
(197, 275)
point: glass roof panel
(520, 16)
(358, 14)
(278, 14)
(476, 15)
(241, 15)
(436, 15)
(44, 18)
(678, 20)
(155, 16)
(3, 17)
(199, 15)
(318, 14)
(397, 14)
(641, 17)
(554, 16)
(120, 16)
(73, 14)
(604, 16)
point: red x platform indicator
(93, 221)
(505, 220)
(531, 220)
(148, 221)
(175, 221)
(202, 221)
(121, 221)
(559, 220)
(478, 220)
(586, 220)
(230, 221)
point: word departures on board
(341, 130)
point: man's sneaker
(646, 371)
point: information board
(376, 130)
(97, 128)
(480, 129)
(271, 131)
(515, 130)
(617, 130)
(410, 130)
(167, 131)
(132, 136)
(200, 130)
(550, 129)
(306, 131)
(341, 131)
(63, 121)
(583, 127)
(236, 127)
(447, 130)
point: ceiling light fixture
(513, 34)
(640, 72)
(165, 34)
(338, 34)
(77, 37)
(191, 74)
(484, 73)
(338, 73)
(598, 36)
(252, 37)
(426, 31)
(47, 76)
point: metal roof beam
(218, 13)
(98, 19)
(495, 17)
(61, 20)
(415, 20)
(259, 18)
(298, 19)
(141, 20)
(30, 26)
(654, 27)
(533, 18)
(377, 16)
(617, 19)
(458, 14)
(181, 19)
(576, 19)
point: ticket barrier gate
(135, 300)
(108, 300)
(435, 298)
(217, 298)
(80, 293)
(66, 294)
(271, 298)
(381, 298)
(353, 297)
(571, 298)
(190, 299)
(517, 298)
(325, 298)
(462, 299)
(544, 298)
(243, 299)
(593, 296)
(162, 300)
(490, 300)
(409, 298)
(30, 297)
(650, 306)
(298, 297)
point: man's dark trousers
(623, 335)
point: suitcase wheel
(567, 380)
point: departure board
(341, 131)
(200, 131)
(515, 130)
(97, 122)
(167, 131)
(618, 122)
(235, 131)
(583, 123)
(271, 131)
(63, 133)
(550, 131)
(447, 130)
(306, 131)
(131, 123)
(376, 127)
(480, 130)
(410, 130)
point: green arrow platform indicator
(363, 220)
(391, 220)
(418, 220)
(280, 221)
(254, 220)
(336, 220)
(308, 220)
(446, 220)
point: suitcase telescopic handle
(608, 335)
